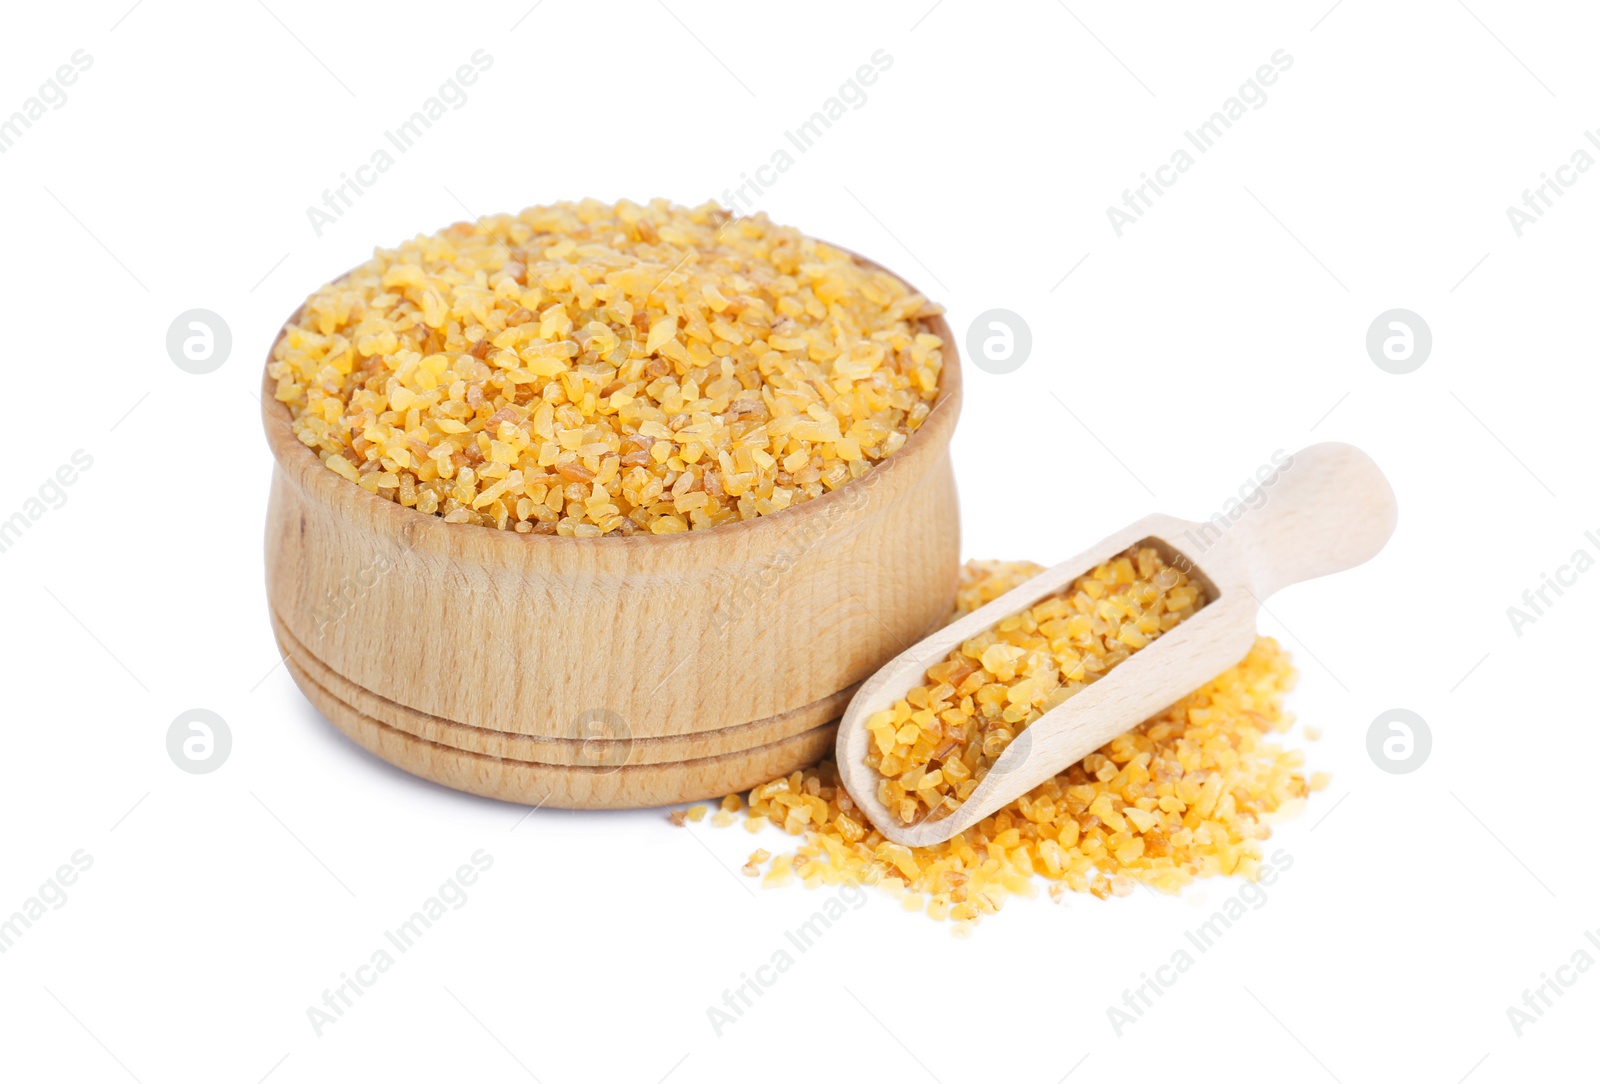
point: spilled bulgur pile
(935, 745)
(1187, 794)
(587, 369)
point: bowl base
(572, 774)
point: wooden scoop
(1328, 508)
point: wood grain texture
(754, 624)
(560, 786)
(1329, 510)
(602, 746)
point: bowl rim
(428, 532)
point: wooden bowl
(606, 672)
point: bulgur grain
(935, 745)
(583, 369)
(1196, 787)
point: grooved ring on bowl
(568, 751)
(631, 786)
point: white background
(1228, 322)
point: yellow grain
(614, 352)
(1189, 793)
(934, 746)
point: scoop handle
(1329, 508)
